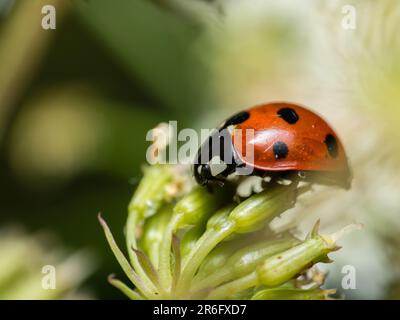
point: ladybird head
(202, 174)
(210, 173)
(214, 162)
(215, 158)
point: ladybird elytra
(286, 138)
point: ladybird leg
(219, 182)
(302, 174)
(214, 182)
(274, 178)
(291, 176)
(281, 178)
(265, 183)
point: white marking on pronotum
(217, 166)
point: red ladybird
(287, 139)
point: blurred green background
(76, 104)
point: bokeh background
(76, 104)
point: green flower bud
(153, 233)
(199, 204)
(217, 258)
(253, 213)
(284, 266)
(245, 260)
(151, 193)
(219, 219)
(220, 255)
(190, 238)
(293, 294)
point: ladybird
(288, 140)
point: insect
(287, 140)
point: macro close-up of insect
(287, 139)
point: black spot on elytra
(280, 150)
(289, 115)
(331, 145)
(237, 118)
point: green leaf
(147, 266)
(131, 274)
(131, 294)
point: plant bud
(245, 260)
(284, 266)
(151, 194)
(153, 232)
(253, 213)
(218, 219)
(217, 258)
(190, 238)
(199, 204)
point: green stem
(220, 276)
(207, 242)
(131, 294)
(233, 287)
